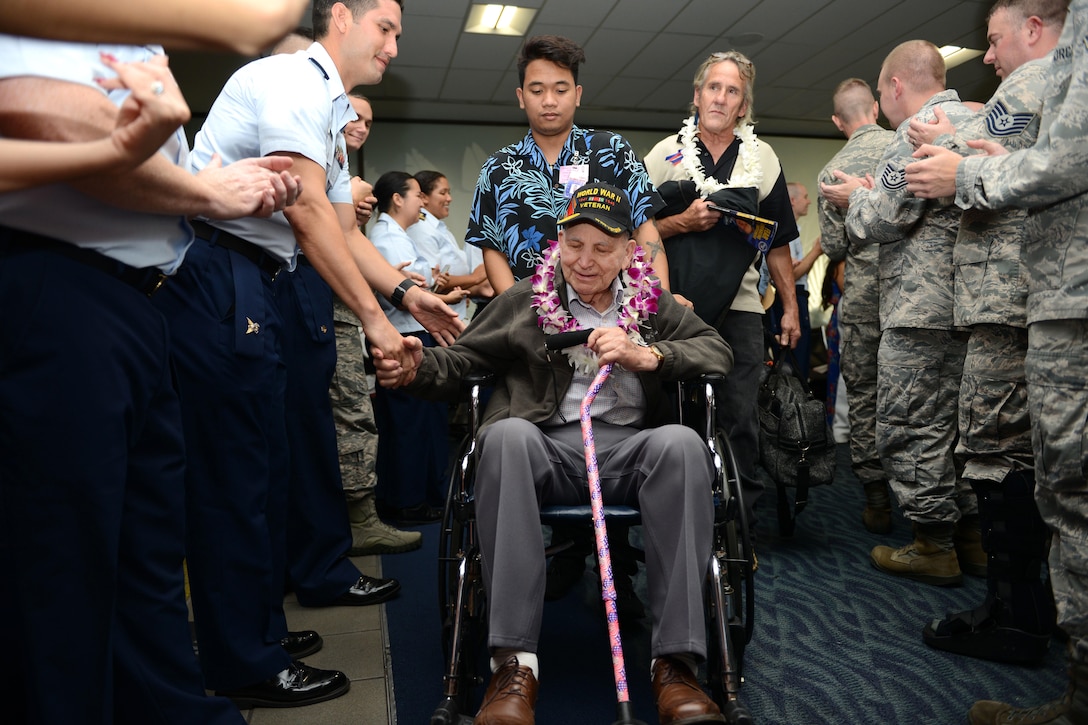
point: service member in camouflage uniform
(920, 359)
(1014, 622)
(859, 321)
(1050, 179)
(352, 410)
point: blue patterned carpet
(835, 640)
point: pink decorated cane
(604, 554)
(596, 501)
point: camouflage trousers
(353, 413)
(1057, 359)
(994, 425)
(918, 385)
(858, 347)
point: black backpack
(796, 446)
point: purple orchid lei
(641, 289)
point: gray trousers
(666, 472)
(994, 425)
(858, 348)
(1058, 398)
(918, 387)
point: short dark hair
(388, 184)
(428, 179)
(1051, 12)
(853, 100)
(564, 52)
(323, 11)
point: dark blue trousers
(318, 532)
(413, 446)
(225, 340)
(91, 504)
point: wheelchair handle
(563, 340)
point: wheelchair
(729, 599)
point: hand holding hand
(389, 372)
(153, 110)
(250, 187)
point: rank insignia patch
(893, 179)
(1000, 123)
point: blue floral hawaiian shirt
(519, 195)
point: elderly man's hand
(390, 372)
(395, 361)
(612, 345)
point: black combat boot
(1016, 619)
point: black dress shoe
(420, 515)
(296, 686)
(369, 590)
(302, 644)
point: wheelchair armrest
(483, 378)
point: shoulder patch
(893, 179)
(1000, 123)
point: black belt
(264, 261)
(147, 280)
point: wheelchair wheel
(462, 605)
(730, 602)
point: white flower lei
(746, 172)
(641, 288)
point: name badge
(572, 178)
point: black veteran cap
(601, 204)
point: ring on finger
(158, 88)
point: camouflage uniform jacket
(1051, 178)
(916, 236)
(991, 283)
(860, 156)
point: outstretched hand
(436, 316)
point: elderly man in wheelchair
(531, 447)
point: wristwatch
(398, 294)
(659, 355)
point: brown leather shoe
(510, 696)
(680, 700)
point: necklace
(641, 288)
(746, 172)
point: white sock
(525, 659)
(687, 659)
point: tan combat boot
(877, 516)
(930, 558)
(968, 541)
(371, 535)
(1070, 709)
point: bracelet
(398, 294)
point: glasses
(733, 56)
